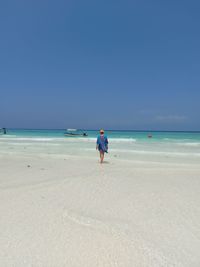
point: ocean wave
(39, 139)
(24, 144)
(88, 139)
(127, 140)
(60, 140)
(8, 135)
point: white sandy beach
(80, 79)
(71, 211)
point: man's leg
(101, 156)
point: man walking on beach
(102, 145)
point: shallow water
(173, 147)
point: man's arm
(97, 144)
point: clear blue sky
(91, 64)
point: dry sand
(71, 211)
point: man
(102, 145)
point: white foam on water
(78, 139)
(121, 140)
(9, 135)
(28, 144)
(93, 139)
(39, 139)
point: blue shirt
(102, 142)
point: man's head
(101, 131)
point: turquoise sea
(132, 145)
(114, 134)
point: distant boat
(75, 132)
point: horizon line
(113, 130)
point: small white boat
(75, 132)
